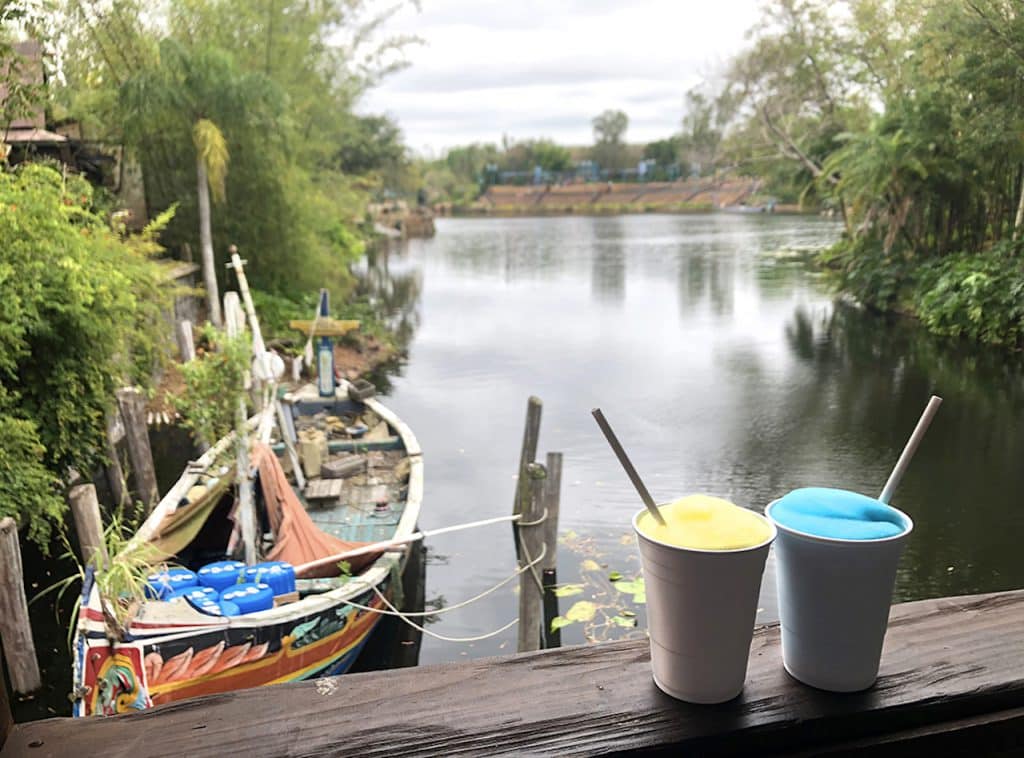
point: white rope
(406, 616)
(518, 517)
(435, 635)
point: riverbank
(977, 297)
(692, 195)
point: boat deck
(952, 683)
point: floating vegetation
(608, 599)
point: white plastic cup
(701, 606)
(834, 600)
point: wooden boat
(160, 651)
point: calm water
(724, 365)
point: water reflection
(608, 268)
(725, 367)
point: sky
(545, 68)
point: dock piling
(15, 629)
(186, 343)
(113, 468)
(6, 719)
(531, 436)
(549, 566)
(133, 413)
(531, 543)
(85, 508)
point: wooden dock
(952, 682)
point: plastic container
(834, 599)
(163, 583)
(220, 575)
(701, 606)
(280, 575)
(250, 597)
(199, 593)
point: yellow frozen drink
(702, 522)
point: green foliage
(81, 315)
(214, 383)
(279, 81)
(609, 150)
(980, 296)
(28, 489)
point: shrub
(81, 314)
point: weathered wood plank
(945, 662)
(133, 412)
(15, 628)
(85, 509)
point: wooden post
(19, 649)
(234, 323)
(531, 435)
(115, 472)
(549, 574)
(530, 537)
(133, 413)
(85, 508)
(6, 719)
(186, 344)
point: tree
(82, 313)
(609, 139)
(279, 79)
(664, 152)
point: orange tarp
(298, 539)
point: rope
(406, 616)
(538, 522)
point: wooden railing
(952, 681)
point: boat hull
(147, 671)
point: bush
(978, 296)
(81, 314)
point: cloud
(542, 68)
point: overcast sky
(545, 68)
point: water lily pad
(589, 565)
(615, 576)
(582, 610)
(558, 622)
(635, 588)
(568, 590)
(623, 621)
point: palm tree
(176, 97)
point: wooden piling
(15, 630)
(186, 343)
(549, 565)
(6, 719)
(133, 413)
(531, 543)
(113, 468)
(531, 436)
(85, 508)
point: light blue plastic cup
(834, 599)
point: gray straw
(626, 464)
(910, 449)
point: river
(725, 365)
